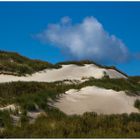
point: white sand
(15, 119)
(34, 114)
(11, 107)
(114, 74)
(71, 72)
(94, 99)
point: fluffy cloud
(85, 40)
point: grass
(115, 84)
(89, 125)
(5, 119)
(135, 79)
(13, 63)
(15, 91)
(55, 124)
(137, 104)
(58, 125)
(28, 94)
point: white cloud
(85, 40)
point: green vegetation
(89, 125)
(115, 84)
(13, 63)
(137, 104)
(33, 95)
(36, 92)
(28, 94)
(5, 119)
(135, 79)
(79, 63)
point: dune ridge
(71, 72)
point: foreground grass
(89, 125)
(56, 124)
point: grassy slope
(14, 63)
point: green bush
(137, 104)
(5, 119)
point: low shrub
(137, 104)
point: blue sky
(19, 22)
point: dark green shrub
(137, 104)
(5, 119)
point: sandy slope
(71, 72)
(94, 99)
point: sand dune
(94, 99)
(71, 72)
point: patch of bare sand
(11, 107)
(94, 99)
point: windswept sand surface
(94, 99)
(71, 72)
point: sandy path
(71, 72)
(94, 99)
